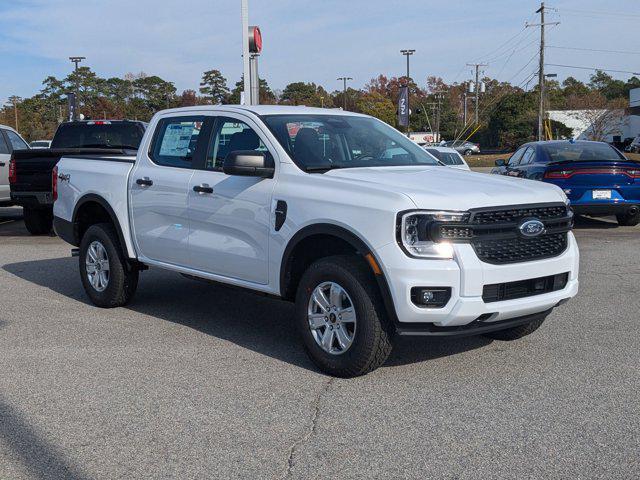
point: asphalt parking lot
(198, 381)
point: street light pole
(407, 53)
(344, 90)
(76, 61)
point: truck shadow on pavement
(259, 323)
(41, 459)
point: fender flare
(352, 239)
(92, 197)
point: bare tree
(602, 117)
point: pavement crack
(310, 430)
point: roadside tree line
(507, 113)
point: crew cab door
(5, 156)
(229, 214)
(159, 187)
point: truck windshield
(99, 135)
(323, 142)
(581, 152)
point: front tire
(626, 220)
(38, 221)
(106, 276)
(515, 333)
(341, 318)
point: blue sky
(307, 41)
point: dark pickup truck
(30, 170)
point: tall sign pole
(407, 53)
(246, 59)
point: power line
(594, 50)
(597, 13)
(591, 68)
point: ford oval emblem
(531, 228)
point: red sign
(255, 39)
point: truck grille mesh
(494, 233)
(516, 249)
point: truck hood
(436, 187)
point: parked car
(597, 178)
(634, 146)
(449, 157)
(463, 147)
(308, 205)
(10, 140)
(40, 144)
(30, 181)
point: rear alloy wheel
(468, 152)
(626, 220)
(341, 318)
(109, 280)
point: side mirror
(249, 163)
(501, 162)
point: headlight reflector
(415, 233)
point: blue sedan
(597, 178)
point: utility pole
(344, 90)
(542, 24)
(15, 100)
(477, 87)
(76, 61)
(464, 107)
(407, 53)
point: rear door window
(176, 141)
(16, 142)
(528, 157)
(515, 158)
(4, 148)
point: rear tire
(627, 220)
(109, 280)
(368, 335)
(467, 153)
(38, 221)
(515, 333)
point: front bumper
(466, 275)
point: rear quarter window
(175, 141)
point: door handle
(204, 188)
(2, 164)
(144, 182)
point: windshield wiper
(321, 168)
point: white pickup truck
(333, 210)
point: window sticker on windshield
(177, 138)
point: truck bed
(113, 173)
(34, 167)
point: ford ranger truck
(335, 211)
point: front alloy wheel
(97, 266)
(332, 318)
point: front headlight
(415, 237)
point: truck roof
(265, 110)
